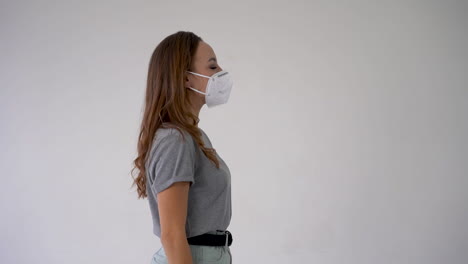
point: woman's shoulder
(176, 135)
(172, 134)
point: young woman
(188, 185)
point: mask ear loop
(195, 90)
(200, 74)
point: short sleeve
(173, 160)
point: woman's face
(204, 62)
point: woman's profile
(186, 182)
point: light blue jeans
(200, 254)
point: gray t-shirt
(172, 159)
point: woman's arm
(172, 204)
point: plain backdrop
(345, 133)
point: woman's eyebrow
(213, 58)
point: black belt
(211, 239)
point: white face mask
(218, 88)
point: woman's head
(217, 89)
(204, 62)
(168, 101)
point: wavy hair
(167, 102)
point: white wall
(345, 132)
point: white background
(345, 133)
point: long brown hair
(167, 100)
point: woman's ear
(187, 81)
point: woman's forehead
(204, 53)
